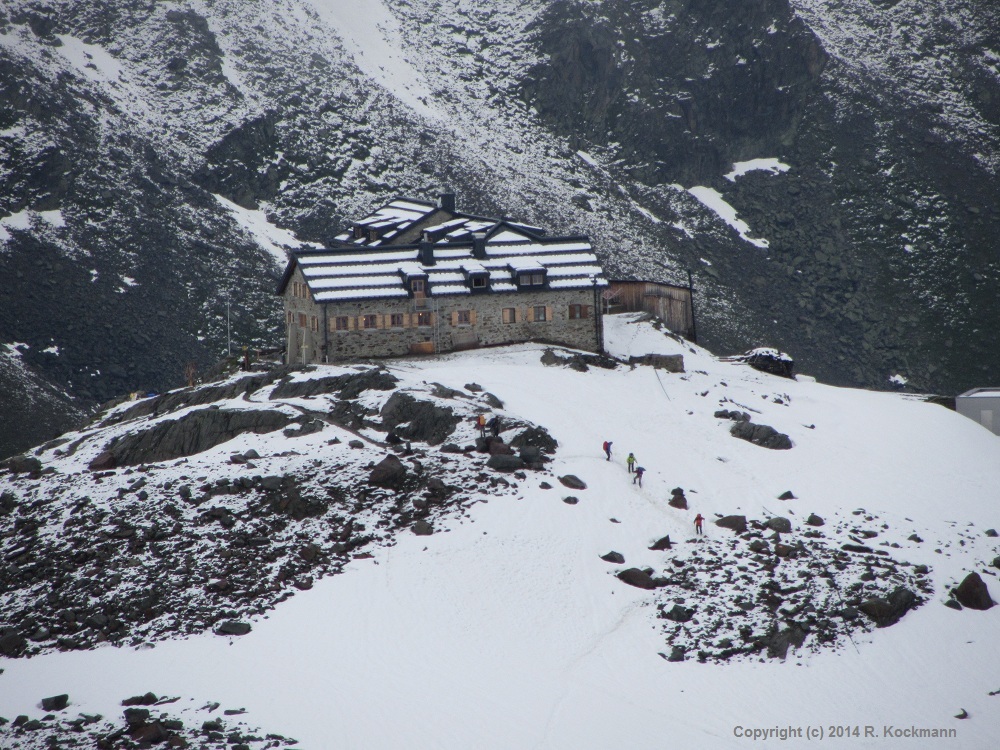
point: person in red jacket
(698, 519)
(607, 449)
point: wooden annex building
(418, 277)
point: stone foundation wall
(445, 332)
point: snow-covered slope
(505, 628)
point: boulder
(737, 523)
(888, 611)
(495, 446)
(614, 557)
(661, 544)
(150, 734)
(634, 577)
(676, 654)
(787, 495)
(859, 548)
(141, 700)
(972, 593)
(418, 420)
(389, 472)
(505, 462)
(136, 717)
(996, 563)
(762, 435)
(450, 448)
(422, 528)
(103, 462)
(779, 524)
(678, 613)
(784, 550)
(815, 520)
(914, 538)
(573, 482)
(769, 360)
(355, 444)
(23, 464)
(55, 703)
(12, 643)
(781, 640)
(536, 437)
(669, 362)
(677, 499)
(571, 500)
(232, 627)
(990, 532)
(736, 416)
(759, 546)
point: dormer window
(418, 286)
(478, 282)
(359, 231)
(534, 278)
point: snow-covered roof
(377, 273)
(395, 240)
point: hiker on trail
(607, 449)
(494, 425)
(698, 519)
(630, 462)
(481, 423)
(638, 475)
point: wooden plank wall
(671, 304)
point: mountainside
(144, 143)
(337, 555)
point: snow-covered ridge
(509, 604)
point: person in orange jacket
(698, 519)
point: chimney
(446, 202)
(426, 254)
(479, 245)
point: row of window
(536, 314)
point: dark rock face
(638, 578)
(889, 610)
(535, 437)
(230, 627)
(418, 420)
(762, 435)
(663, 543)
(23, 464)
(505, 462)
(346, 387)
(814, 520)
(389, 472)
(781, 640)
(573, 482)
(193, 433)
(677, 613)
(770, 361)
(677, 499)
(973, 593)
(779, 524)
(736, 416)
(423, 528)
(55, 703)
(736, 523)
(670, 362)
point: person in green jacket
(630, 462)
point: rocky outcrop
(886, 611)
(761, 434)
(973, 593)
(193, 433)
(737, 524)
(413, 419)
